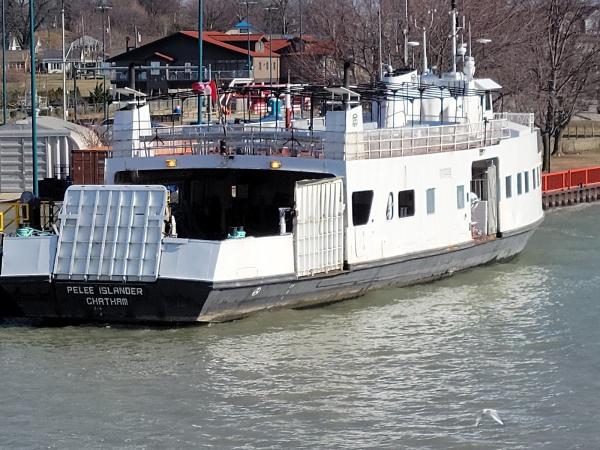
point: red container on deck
(87, 166)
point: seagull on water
(489, 412)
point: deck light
(275, 164)
(171, 162)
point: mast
(425, 62)
(453, 15)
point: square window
(361, 207)
(431, 201)
(406, 203)
(460, 197)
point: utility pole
(103, 8)
(4, 94)
(34, 148)
(200, 57)
(64, 63)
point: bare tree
(564, 67)
(17, 17)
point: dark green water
(405, 368)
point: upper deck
(417, 139)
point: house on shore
(171, 62)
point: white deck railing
(398, 142)
(525, 119)
(369, 144)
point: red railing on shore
(569, 179)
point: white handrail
(369, 144)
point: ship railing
(13, 215)
(368, 144)
(236, 141)
(525, 119)
(398, 142)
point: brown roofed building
(226, 57)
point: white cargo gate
(111, 233)
(319, 226)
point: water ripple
(402, 368)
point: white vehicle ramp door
(111, 233)
(319, 226)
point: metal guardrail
(398, 142)
(189, 141)
(49, 212)
(368, 144)
(525, 119)
(570, 179)
(19, 212)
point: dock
(571, 187)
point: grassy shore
(47, 82)
(577, 153)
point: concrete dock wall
(569, 197)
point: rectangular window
(361, 207)
(526, 182)
(406, 203)
(155, 72)
(488, 101)
(460, 197)
(519, 183)
(431, 201)
(533, 179)
(509, 186)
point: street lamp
(200, 56)
(271, 8)
(64, 62)
(483, 42)
(250, 69)
(34, 148)
(103, 8)
(248, 3)
(412, 45)
(4, 95)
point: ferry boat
(410, 179)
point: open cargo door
(319, 226)
(492, 197)
(111, 233)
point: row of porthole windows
(524, 180)
(363, 200)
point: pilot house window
(361, 207)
